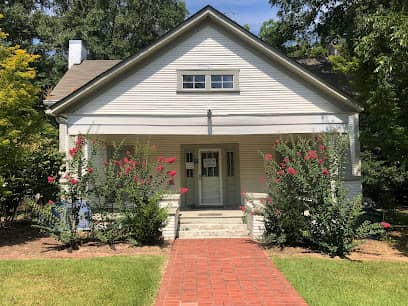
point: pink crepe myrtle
(292, 171)
(183, 190)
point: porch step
(212, 224)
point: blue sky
(252, 12)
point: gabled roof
(207, 13)
(78, 76)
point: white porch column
(353, 180)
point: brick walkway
(223, 272)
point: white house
(210, 93)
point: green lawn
(341, 282)
(97, 281)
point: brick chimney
(77, 52)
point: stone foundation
(254, 203)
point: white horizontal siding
(251, 162)
(264, 87)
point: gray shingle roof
(78, 76)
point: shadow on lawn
(19, 232)
(401, 241)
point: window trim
(208, 73)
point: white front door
(210, 177)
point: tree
(111, 29)
(21, 126)
(372, 37)
(115, 29)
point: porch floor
(223, 272)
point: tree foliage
(111, 29)
(372, 37)
(22, 127)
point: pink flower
(127, 170)
(277, 180)
(126, 160)
(160, 159)
(183, 190)
(325, 172)
(79, 140)
(170, 160)
(171, 173)
(281, 173)
(312, 154)
(243, 208)
(90, 170)
(320, 161)
(385, 225)
(159, 168)
(66, 175)
(322, 148)
(291, 171)
(268, 156)
(135, 178)
(73, 151)
(105, 163)
(50, 202)
(282, 165)
(51, 179)
(73, 181)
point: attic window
(193, 81)
(207, 80)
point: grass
(99, 281)
(341, 282)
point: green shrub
(309, 203)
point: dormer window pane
(222, 81)
(193, 81)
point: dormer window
(222, 81)
(194, 81)
(207, 80)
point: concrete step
(213, 226)
(211, 220)
(212, 234)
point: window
(230, 163)
(207, 80)
(193, 81)
(222, 81)
(189, 162)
